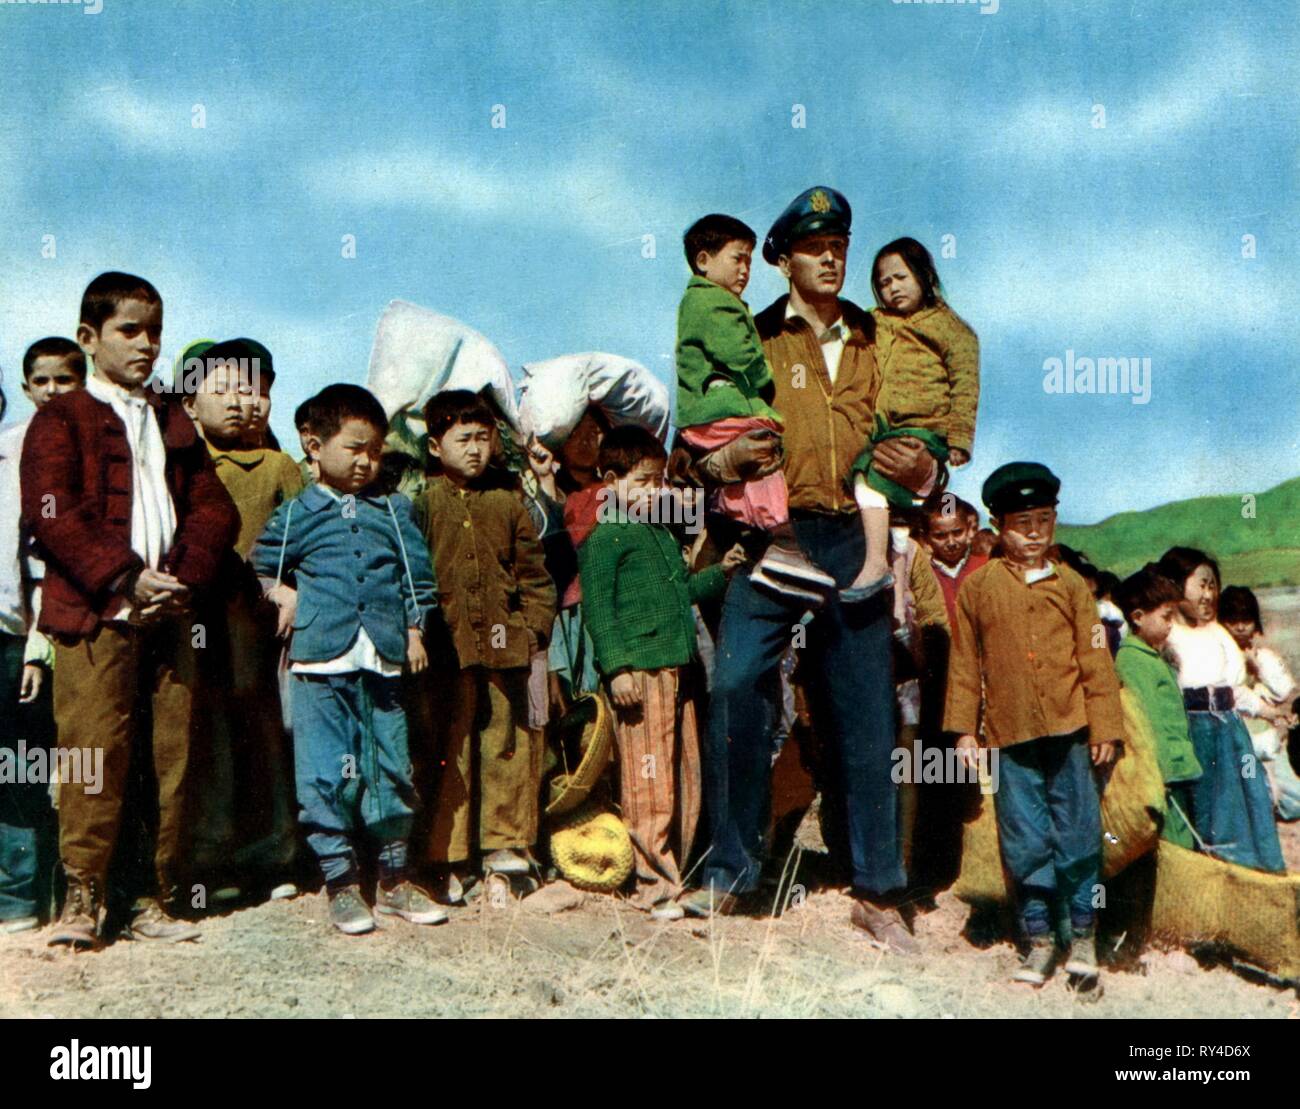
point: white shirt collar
(951, 571)
(838, 332)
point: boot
(150, 921)
(82, 916)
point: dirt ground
(597, 959)
(604, 959)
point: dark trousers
(28, 828)
(848, 658)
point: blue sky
(373, 119)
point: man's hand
(753, 455)
(623, 691)
(30, 687)
(958, 457)
(904, 460)
(416, 655)
(1103, 754)
(734, 559)
(968, 752)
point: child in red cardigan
(127, 512)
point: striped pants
(659, 760)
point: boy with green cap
(1030, 672)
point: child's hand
(32, 680)
(623, 691)
(1275, 714)
(958, 457)
(286, 603)
(1103, 754)
(968, 752)
(734, 559)
(415, 652)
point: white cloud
(587, 192)
(1174, 102)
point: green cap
(1018, 486)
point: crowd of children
(272, 660)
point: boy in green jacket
(637, 598)
(722, 381)
(1148, 601)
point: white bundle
(418, 352)
(554, 395)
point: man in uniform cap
(825, 377)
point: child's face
(636, 489)
(898, 286)
(1027, 535)
(1153, 627)
(582, 448)
(464, 451)
(349, 460)
(949, 535)
(1243, 631)
(729, 267)
(126, 347)
(815, 266)
(50, 376)
(220, 406)
(257, 415)
(1202, 593)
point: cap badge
(820, 202)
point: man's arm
(904, 460)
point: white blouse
(1208, 656)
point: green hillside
(1257, 545)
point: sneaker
(506, 861)
(787, 562)
(787, 589)
(78, 925)
(884, 925)
(19, 924)
(411, 903)
(284, 891)
(227, 894)
(1082, 960)
(707, 902)
(152, 922)
(348, 912)
(1039, 962)
(666, 911)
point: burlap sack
(1132, 810)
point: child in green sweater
(722, 380)
(1148, 601)
(637, 598)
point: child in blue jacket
(364, 585)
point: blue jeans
(1232, 804)
(28, 828)
(1049, 824)
(848, 656)
(352, 767)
